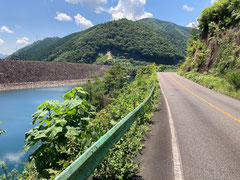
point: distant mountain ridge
(174, 33)
(35, 49)
(144, 40)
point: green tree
(114, 80)
(96, 91)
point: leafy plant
(13, 175)
(63, 132)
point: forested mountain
(124, 38)
(34, 50)
(177, 35)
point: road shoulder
(157, 154)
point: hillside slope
(34, 50)
(123, 38)
(213, 55)
(177, 35)
(217, 47)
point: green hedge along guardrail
(83, 167)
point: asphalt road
(202, 134)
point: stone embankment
(37, 74)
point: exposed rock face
(220, 51)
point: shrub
(216, 83)
(234, 79)
(63, 132)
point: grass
(218, 84)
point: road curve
(207, 126)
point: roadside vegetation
(213, 53)
(167, 68)
(66, 129)
(226, 85)
(221, 15)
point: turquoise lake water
(16, 109)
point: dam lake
(16, 109)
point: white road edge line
(178, 174)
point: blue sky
(24, 21)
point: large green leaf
(50, 103)
(60, 122)
(76, 93)
(39, 115)
(73, 131)
(71, 104)
(40, 136)
(69, 94)
(47, 121)
(54, 132)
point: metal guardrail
(83, 167)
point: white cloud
(82, 21)
(133, 10)
(15, 157)
(100, 9)
(23, 40)
(5, 29)
(63, 17)
(92, 4)
(187, 8)
(192, 25)
(1, 42)
(6, 51)
(212, 1)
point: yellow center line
(204, 100)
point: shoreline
(40, 84)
